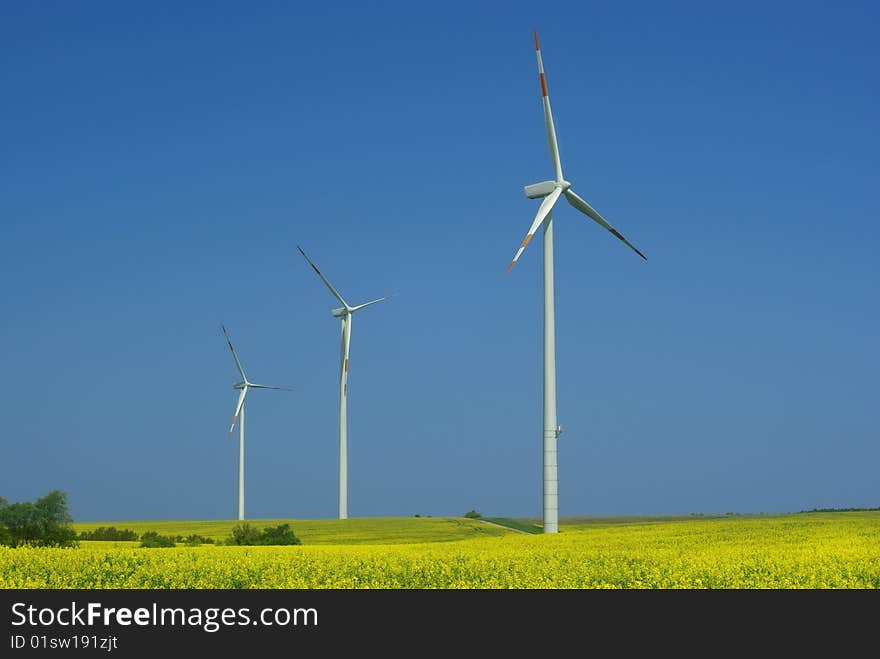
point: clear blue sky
(160, 162)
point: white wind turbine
(238, 417)
(550, 191)
(345, 314)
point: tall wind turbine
(549, 192)
(345, 314)
(238, 417)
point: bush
(44, 523)
(108, 533)
(279, 535)
(153, 539)
(472, 514)
(194, 539)
(245, 534)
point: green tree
(153, 539)
(194, 539)
(279, 535)
(44, 523)
(5, 538)
(244, 534)
(22, 523)
(108, 533)
(55, 520)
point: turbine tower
(345, 314)
(238, 417)
(549, 192)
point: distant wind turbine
(345, 314)
(238, 417)
(550, 191)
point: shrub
(153, 539)
(194, 539)
(279, 535)
(244, 534)
(108, 533)
(472, 514)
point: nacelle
(542, 189)
(338, 312)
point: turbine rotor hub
(542, 189)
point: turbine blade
(589, 211)
(323, 278)
(367, 304)
(251, 385)
(238, 408)
(548, 115)
(544, 209)
(234, 356)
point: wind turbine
(549, 192)
(238, 417)
(345, 314)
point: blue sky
(161, 162)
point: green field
(354, 531)
(378, 530)
(839, 550)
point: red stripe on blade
(543, 86)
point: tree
(194, 539)
(22, 524)
(472, 514)
(45, 523)
(5, 538)
(108, 533)
(244, 534)
(153, 539)
(279, 535)
(55, 520)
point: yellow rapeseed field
(816, 550)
